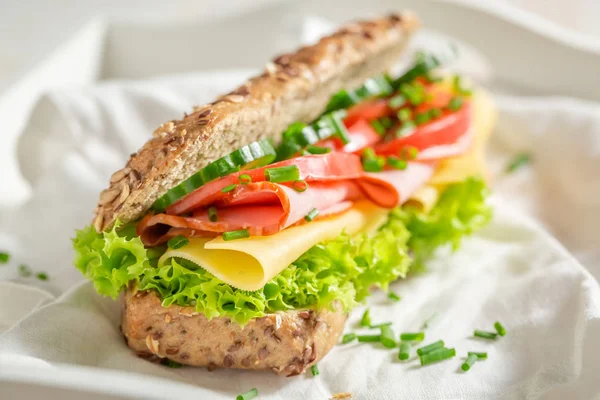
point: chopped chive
(430, 347)
(229, 188)
(288, 173)
(518, 161)
(455, 103)
(171, 364)
(397, 101)
(485, 334)
(404, 353)
(500, 329)
(435, 113)
(481, 356)
(305, 153)
(249, 395)
(300, 185)
(378, 126)
(469, 362)
(458, 87)
(311, 215)
(42, 276)
(318, 149)
(393, 296)
(4, 257)
(212, 214)
(177, 242)
(386, 122)
(368, 152)
(437, 355)
(315, 370)
(406, 129)
(366, 318)
(369, 338)
(404, 115)
(245, 179)
(429, 320)
(413, 336)
(409, 153)
(422, 118)
(387, 337)
(396, 163)
(348, 337)
(374, 164)
(414, 93)
(233, 235)
(24, 271)
(380, 325)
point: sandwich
(243, 234)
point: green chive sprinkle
(485, 334)
(469, 362)
(348, 337)
(406, 129)
(415, 94)
(435, 113)
(393, 296)
(481, 356)
(42, 276)
(422, 118)
(409, 153)
(380, 325)
(366, 318)
(239, 234)
(245, 179)
(374, 164)
(404, 353)
(458, 86)
(4, 257)
(229, 188)
(288, 173)
(177, 242)
(430, 347)
(397, 101)
(455, 103)
(315, 370)
(413, 336)
(386, 122)
(311, 215)
(249, 395)
(318, 149)
(520, 160)
(404, 114)
(369, 338)
(212, 214)
(396, 163)
(387, 337)
(24, 271)
(437, 355)
(300, 185)
(378, 126)
(500, 329)
(171, 363)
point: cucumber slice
(254, 155)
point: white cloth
(511, 271)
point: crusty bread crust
(294, 87)
(286, 343)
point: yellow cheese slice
(250, 263)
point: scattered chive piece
(500, 329)
(318, 149)
(406, 129)
(437, 355)
(429, 320)
(413, 336)
(348, 337)
(369, 338)
(288, 173)
(233, 235)
(409, 153)
(396, 163)
(378, 126)
(481, 356)
(422, 118)
(228, 188)
(315, 370)
(42, 276)
(248, 395)
(435, 113)
(387, 337)
(415, 94)
(4, 257)
(458, 86)
(455, 103)
(485, 334)
(404, 353)
(518, 161)
(311, 215)
(171, 363)
(369, 153)
(380, 325)
(300, 185)
(430, 347)
(366, 318)
(386, 122)
(397, 101)
(245, 179)
(374, 164)
(404, 114)
(212, 214)
(393, 296)
(469, 362)
(177, 242)
(24, 271)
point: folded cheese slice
(250, 263)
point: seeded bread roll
(294, 87)
(286, 343)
